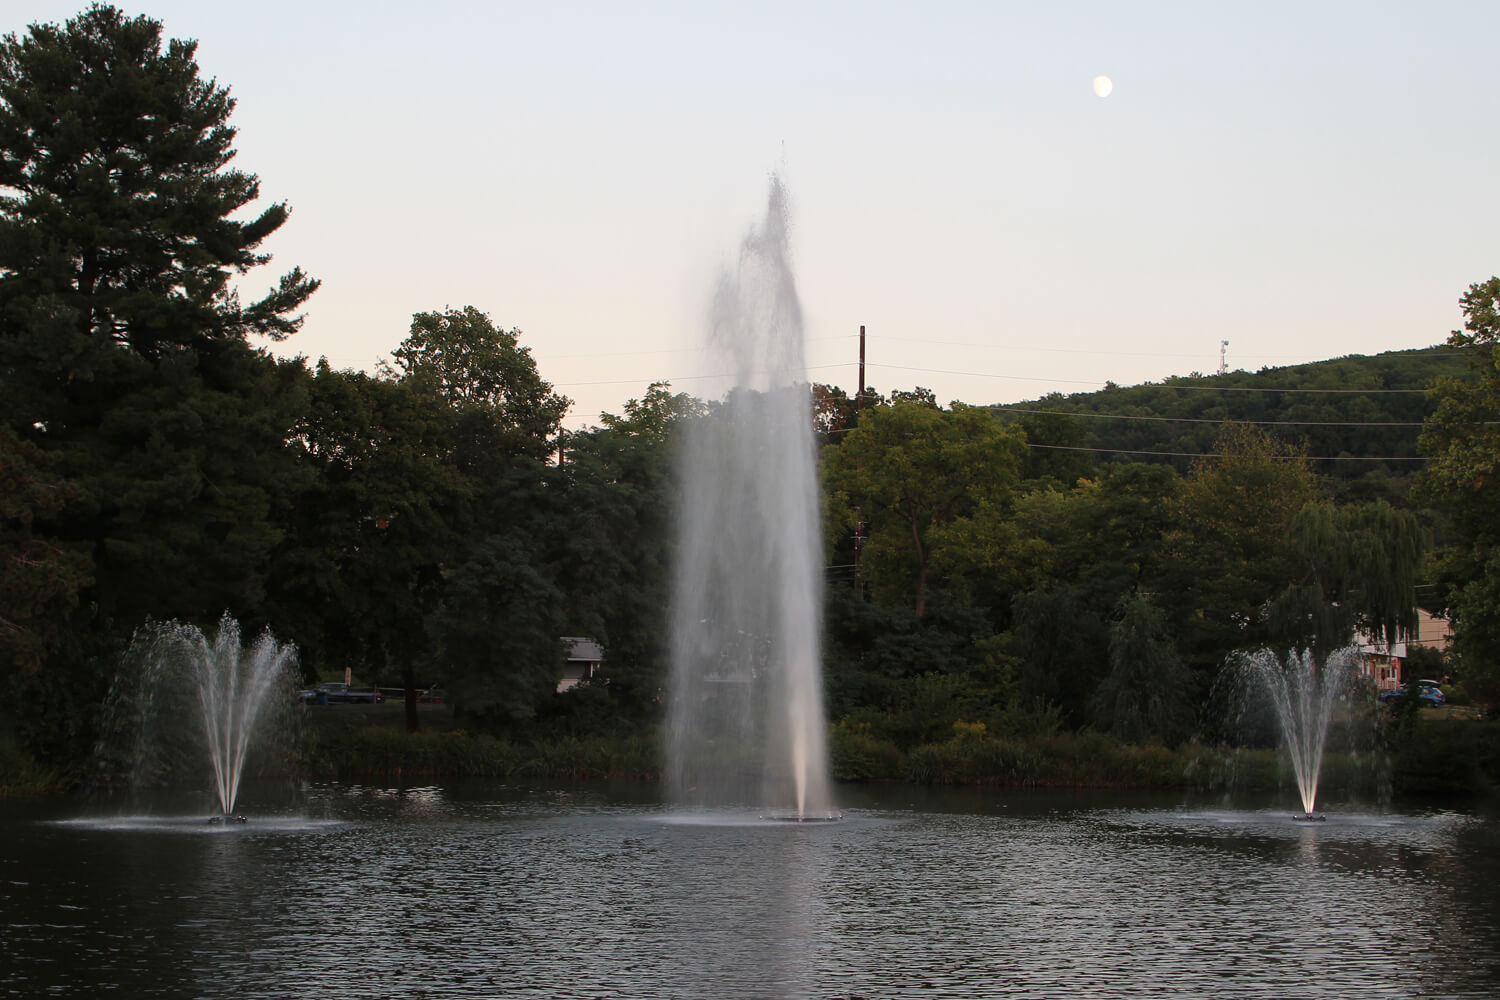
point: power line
(926, 342)
(680, 378)
(663, 350)
(1209, 454)
(1145, 385)
(1218, 420)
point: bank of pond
(1432, 756)
(1437, 758)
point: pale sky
(1305, 180)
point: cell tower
(1223, 357)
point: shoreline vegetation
(1441, 755)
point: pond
(504, 890)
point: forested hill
(1358, 417)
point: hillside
(1358, 416)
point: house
(1381, 661)
(1432, 631)
(583, 659)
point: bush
(379, 751)
(1444, 758)
(21, 775)
(856, 754)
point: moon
(1103, 85)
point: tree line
(433, 523)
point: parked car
(1428, 693)
(339, 693)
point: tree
(115, 224)
(125, 355)
(1057, 442)
(917, 474)
(1260, 557)
(1062, 640)
(1145, 697)
(1463, 438)
(360, 575)
(485, 375)
(616, 541)
(834, 413)
(496, 551)
(1229, 553)
(1358, 572)
(1098, 546)
(39, 577)
(654, 417)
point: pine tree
(125, 350)
(116, 197)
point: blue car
(1428, 693)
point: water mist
(1304, 692)
(746, 721)
(192, 701)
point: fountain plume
(188, 695)
(1304, 692)
(746, 721)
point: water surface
(485, 889)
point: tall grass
(1088, 760)
(21, 775)
(378, 751)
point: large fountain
(192, 696)
(746, 718)
(1304, 692)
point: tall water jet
(1304, 693)
(192, 696)
(746, 720)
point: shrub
(21, 775)
(857, 754)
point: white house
(584, 657)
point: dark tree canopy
(1463, 438)
(482, 370)
(115, 216)
(126, 368)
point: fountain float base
(1309, 818)
(832, 817)
(227, 819)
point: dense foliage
(996, 576)
(1359, 417)
(1463, 436)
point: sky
(1303, 180)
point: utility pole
(860, 399)
(859, 515)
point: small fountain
(1304, 693)
(178, 669)
(746, 719)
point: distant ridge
(1359, 417)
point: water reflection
(468, 890)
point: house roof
(580, 648)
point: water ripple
(442, 895)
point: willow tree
(1358, 572)
(1263, 557)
